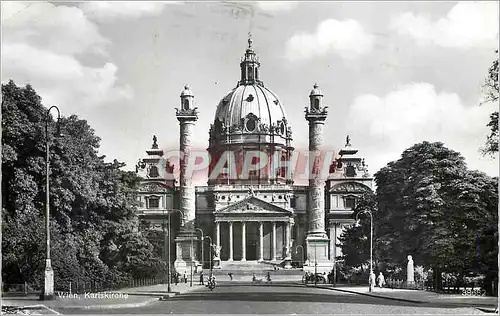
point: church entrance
(252, 241)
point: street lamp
(367, 211)
(302, 255)
(315, 267)
(48, 290)
(202, 257)
(210, 253)
(169, 289)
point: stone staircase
(243, 271)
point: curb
(458, 304)
(113, 306)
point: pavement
(143, 297)
(124, 298)
(419, 296)
(230, 298)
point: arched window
(186, 104)
(153, 172)
(316, 104)
(250, 73)
(350, 171)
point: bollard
(25, 288)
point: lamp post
(202, 257)
(315, 268)
(210, 253)
(48, 291)
(169, 288)
(191, 255)
(302, 255)
(367, 211)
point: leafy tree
(94, 233)
(491, 91)
(432, 207)
(355, 241)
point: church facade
(251, 214)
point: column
(332, 241)
(316, 116)
(261, 244)
(243, 241)
(230, 241)
(288, 240)
(274, 240)
(218, 240)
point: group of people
(211, 278)
(176, 277)
(380, 280)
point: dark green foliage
(94, 233)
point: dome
(250, 100)
(315, 90)
(186, 91)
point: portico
(253, 229)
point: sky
(392, 73)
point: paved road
(279, 299)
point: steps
(243, 271)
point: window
(186, 104)
(293, 202)
(250, 73)
(350, 202)
(154, 202)
(153, 172)
(250, 125)
(350, 171)
(316, 104)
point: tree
(355, 241)
(491, 91)
(433, 208)
(94, 234)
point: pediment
(253, 205)
(350, 187)
(154, 187)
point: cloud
(61, 29)
(61, 79)
(346, 38)
(467, 24)
(276, 6)
(42, 44)
(384, 126)
(111, 10)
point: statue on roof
(155, 145)
(347, 141)
(251, 192)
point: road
(278, 299)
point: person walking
(381, 280)
(201, 278)
(185, 278)
(230, 275)
(268, 277)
